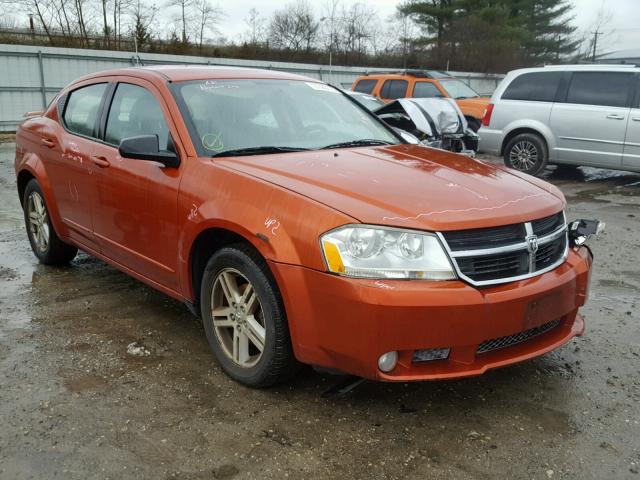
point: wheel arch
(540, 130)
(24, 177)
(209, 240)
(33, 168)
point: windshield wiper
(258, 151)
(358, 143)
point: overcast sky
(621, 32)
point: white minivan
(569, 115)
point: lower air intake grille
(510, 340)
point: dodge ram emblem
(532, 243)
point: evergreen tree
(493, 35)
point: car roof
(580, 68)
(181, 73)
(418, 75)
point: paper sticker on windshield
(211, 85)
(321, 86)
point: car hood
(407, 186)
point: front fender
(283, 226)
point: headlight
(374, 252)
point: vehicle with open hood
(300, 226)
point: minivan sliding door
(591, 123)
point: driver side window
(135, 111)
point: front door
(137, 200)
(590, 124)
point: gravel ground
(78, 400)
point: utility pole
(595, 45)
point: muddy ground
(75, 404)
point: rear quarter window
(365, 86)
(534, 87)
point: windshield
(265, 116)
(458, 89)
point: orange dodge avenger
(300, 226)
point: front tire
(44, 240)
(244, 318)
(526, 152)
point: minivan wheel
(44, 240)
(526, 152)
(244, 318)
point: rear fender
(34, 165)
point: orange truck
(425, 84)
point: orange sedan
(299, 226)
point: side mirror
(146, 147)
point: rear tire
(44, 240)
(526, 152)
(244, 318)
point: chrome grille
(489, 256)
(510, 340)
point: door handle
(615, 116)
(635, 119)
(100, 161)
(47, 142)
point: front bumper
(346, 324)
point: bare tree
(356, 25)
(256, 27)
(184, 6)
(595, 34)
(330, 24)
(143, 17)
(208, 16)
(294, 27)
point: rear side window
(393, 89)
(609, 89)
(426, 90)
(534, 87)
(135, 111)
(365, 86)
(83, 106)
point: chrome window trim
(454, 255)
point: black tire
(474, 123)
(54, 251)
(276, 363)
(527, 152)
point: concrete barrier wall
(31, 76)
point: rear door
(70, 169)
(393, 89)
(631, 155)
(590, 124)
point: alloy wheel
(238, 318)
(524, 155)
(38, 221)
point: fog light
(431, 354)
(387, 361)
